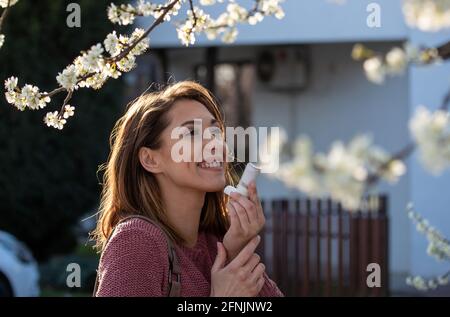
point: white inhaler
(249, 175)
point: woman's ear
(149, 160)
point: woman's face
(193, 151)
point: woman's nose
(214, 148)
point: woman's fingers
(258, 271)
(257, 277)
(242, 215)
(248, 206)
(246, 253)
(234, 218)
(253, 196)
(252, 263)
(260, 283)
(220, 258)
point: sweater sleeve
(270, 289)
(134, 263)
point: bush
(48, 177)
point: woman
(213, 238)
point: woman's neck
(183, 209)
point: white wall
(306, 21)
(339, 103)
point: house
(318, 90)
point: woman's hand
(246, 220)
(242, 277)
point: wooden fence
(315, 248)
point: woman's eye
(192, 132)
(215, 132)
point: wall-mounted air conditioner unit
(284, 68)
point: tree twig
(191, 5)
(444, 51)
(404, 152)
(250, 13)
(4, 14)
(145, 34)
(114, 59)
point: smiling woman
(165, 226)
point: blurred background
(296, 74)
(48, 180)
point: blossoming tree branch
(4, 5)
(117, 54)
(430, 129)
(347, 172)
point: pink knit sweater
(135, 263)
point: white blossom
(375, 70)
(121, 15)
(52, 119)
(91, 69)
(427, 15)
(68, 78)
(2, 39)
(419, 283)
(68, 111)
(396, 60)
(236, 12)
(126, 64)
(438, 248)
(343, 173)
(4, 3)
(300, 171)
(11, 83)
(207, 2)
(142, 46)
(230, 35)
(112, 43)
(29, 96)
(438, 245)
(125, 14)
(225, 24)
(443, 280)
(92, 60)
(111, 71)
(185, 33)
(272, 7)
(256, 18)
(412, 51)
(378, 67)
(431, 131)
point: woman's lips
(211, 165)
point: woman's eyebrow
(213, 121)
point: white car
(19, 273)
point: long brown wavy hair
(128, 189)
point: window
(233, 87)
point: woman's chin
(214, 185)
(212, 180)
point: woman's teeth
(210, 165)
